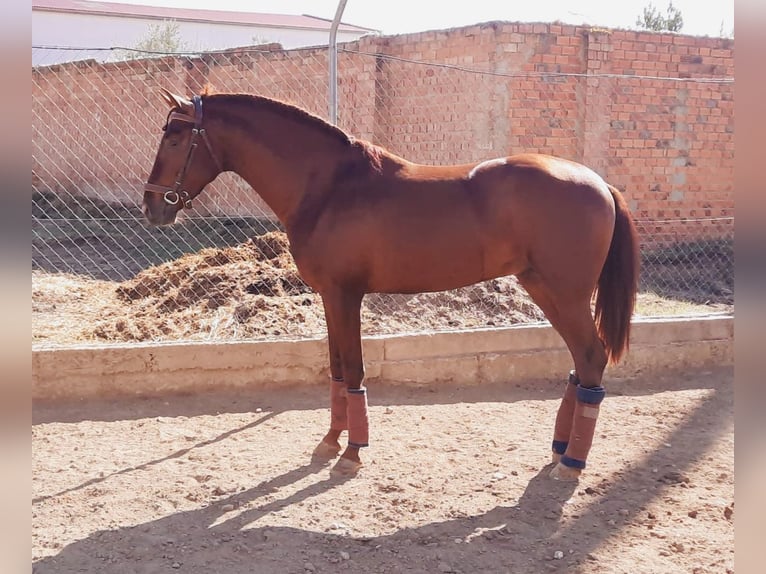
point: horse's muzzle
(152, 219)
(157, 212)
(166, 201)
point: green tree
(652, 19)
(164, 37)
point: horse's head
(182, 167)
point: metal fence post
(334, 62)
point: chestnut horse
(360, 220)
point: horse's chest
(308, 270)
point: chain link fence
(101, 274)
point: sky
(406, 16)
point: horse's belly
(441, 269)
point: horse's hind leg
(570, 315)
(563, 425)
(578, 330)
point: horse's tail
(618, 283)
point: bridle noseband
(176, 195)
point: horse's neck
(284, 169)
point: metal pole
(334, 62)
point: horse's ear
(176, 101)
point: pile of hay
(250, 291)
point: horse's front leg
(342, 308)
(329, 447)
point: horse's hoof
(345, 468)
(561, 472)
(555, 457)
(325, 451)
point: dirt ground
(455, 481)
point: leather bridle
(178, 194)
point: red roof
(185, 14)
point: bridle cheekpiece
(178, 194)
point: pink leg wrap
(358, 421)
(338, 405)
(565, 415)
(586, 412)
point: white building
(82, 26)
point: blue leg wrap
(591, 396)
(559, 446)
(572, 462)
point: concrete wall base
(462, 357)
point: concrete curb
(463, 357)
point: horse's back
(542, 174)
(536, 184)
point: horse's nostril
(148, 216)
(146, 213)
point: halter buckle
(171, 197)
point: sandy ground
(455, 481)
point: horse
(360, 219)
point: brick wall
(640, 108)
(637, 107)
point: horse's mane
(371, 152)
